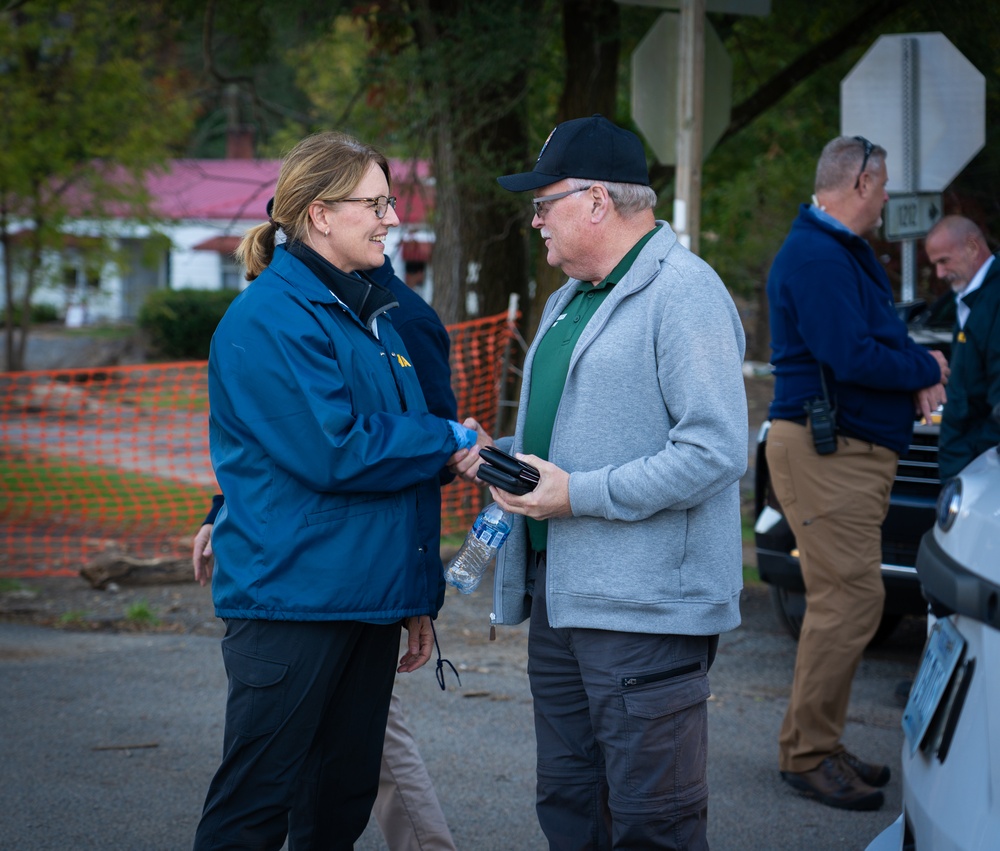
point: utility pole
(690, 129)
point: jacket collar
(358, 292)
(811, 216)
(647, 264)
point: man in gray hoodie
(627, 555)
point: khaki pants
(407, 808)
(835, 505)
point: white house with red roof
(205, 206)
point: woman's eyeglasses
(379, 205)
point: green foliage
(83, 84)
(180, 323)
(89, 105)
(245, 56)
(39, 313)
(474, 84)
(347, 88)
(140, 613)
(74, 619)
(755, 180)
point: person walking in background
(957, 248)
(323, 447)
(627, 553)
(407, 808)
(836, 338)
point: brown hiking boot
(870, 773)
(833, 783)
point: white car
(951, 724)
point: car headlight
(948, 504)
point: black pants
(621, 727)
(305, 722)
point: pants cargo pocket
(256, 696)
(666, 720)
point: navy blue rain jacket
(320, 440)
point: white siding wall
(188, 269)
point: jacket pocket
(355, 506)
(256, 694)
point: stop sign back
(919, 98)
(654, 88)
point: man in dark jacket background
(835, 334)
(957, 248)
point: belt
(841, 432)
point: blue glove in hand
(464, 437)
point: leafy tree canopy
(83, 84)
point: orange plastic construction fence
(115, 460)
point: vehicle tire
(886, 627)
(790, 609)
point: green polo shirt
(551, 366)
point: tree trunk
(8, 286)
(479, 236)
(32, 271)
(449, 298)
(761, 327)
(127, 570)
(591, 41)
(494, 236)
(21, 348)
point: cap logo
(542, 151)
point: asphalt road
(109, 740)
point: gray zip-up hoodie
(652, 427)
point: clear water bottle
(487, 535)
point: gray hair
(628, 198)
(842, 161)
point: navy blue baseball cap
(590, 148)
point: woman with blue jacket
(323, 447)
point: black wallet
(506, 472)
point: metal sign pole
(690, 103)
(911, 157)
